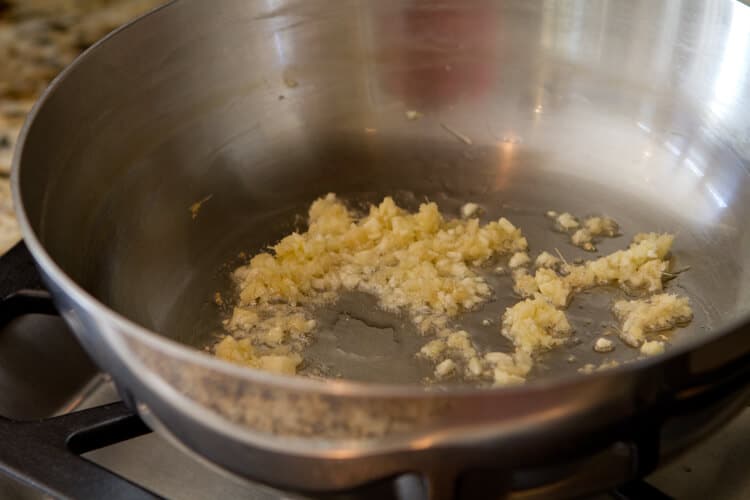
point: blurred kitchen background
(39, 38)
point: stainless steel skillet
(632, 109)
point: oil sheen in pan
(356, 340)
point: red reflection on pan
(437, 53)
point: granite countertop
(38, 38)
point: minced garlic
(455, 353)
(509, 369)
(445, 368)
(589, 368)
(280, 323)
(535, 324)
(553, 287)
(412, 261)
(519, 259)
(474, 367)
(604, 345)
(583, 237)
(524, 283)
(243, 353)
(652, 348)
(659, 312)
(567, 221)
(546, 259)
(538, 323)
(419, 263)
(425, 266)
(601, 226)
(612, 363)
(640, 267)
(195, 208)
(237, 351)
(470, 210)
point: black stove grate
(46, 454)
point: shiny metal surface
(635, 109)
(716, 467)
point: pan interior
(257, 112)
(168, 279)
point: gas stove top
(65, 432)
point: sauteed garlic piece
(567, 221)
(242, 352)
(601, 226)
(535, 324)
(445, 368)
(640, 267)
(538, 323)
(604, 345)
(524, 283)
(552, 287)
(660, 312)
(583, 233)
(652, 348)
(457, 349)
(546, 259)
(470, 210)
(519, 259)
(582, 238)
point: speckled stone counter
(38, 38)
